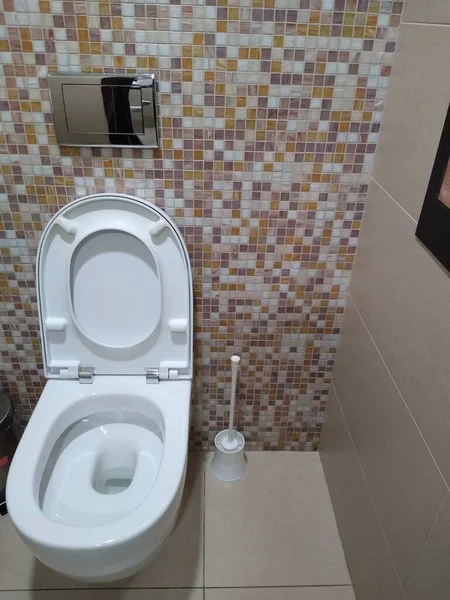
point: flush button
(84, 109)
(98, 110)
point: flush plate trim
(105, 110)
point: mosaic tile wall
(270, 114)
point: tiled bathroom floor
(271, 536)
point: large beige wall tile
(427, 11)
(371, 567)
(415, 113)
(431, 577)
(403, 295)
(405, 483)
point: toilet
(96, 482)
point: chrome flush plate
(105, 110)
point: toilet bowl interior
(101, 468)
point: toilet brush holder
(229, 462)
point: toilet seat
(62, 404)
(114, 291)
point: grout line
(93, 589)
(204, 522)
(394, 200)
(432, 24)
(230, 587)
(368, 488)
(281, 587)
(399, 392)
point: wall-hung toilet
(96, 482)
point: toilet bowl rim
(172, 399)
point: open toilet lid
(114, 291)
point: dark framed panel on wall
(433, 229)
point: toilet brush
(229, 462)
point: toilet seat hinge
(152, 375)
(86, 374)
(163, 373)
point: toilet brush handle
(235, 360)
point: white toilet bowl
(96, 482)
(56, 497)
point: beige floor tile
(283, 593)
(180, 564)
(276, 527)
(122, 594)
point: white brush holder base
(229, 463)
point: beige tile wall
(427, 11)
(373, 572)
(386, 451)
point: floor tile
(282, 593)
(274, 528)
(122, 594)
(180, 564)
